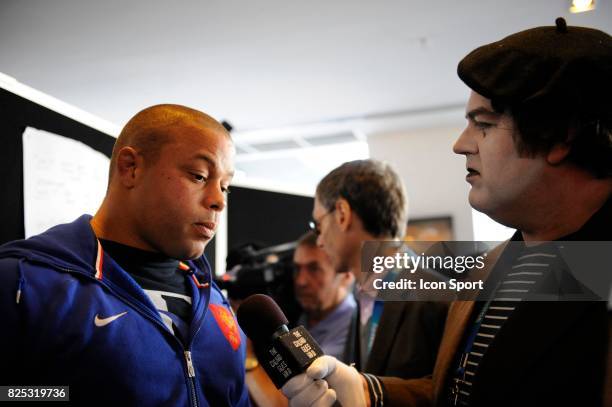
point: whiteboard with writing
(62, 179)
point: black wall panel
(266, 218)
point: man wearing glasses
(363, 201)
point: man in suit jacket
(538, 148)
(362, 201)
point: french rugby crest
(227, 323)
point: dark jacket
(547, 353)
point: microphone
(283, 353)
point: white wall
(433, 175)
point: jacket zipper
(191, 375)
(190, 368)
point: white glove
(303, 391)
(344, 379)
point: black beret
(543, 65)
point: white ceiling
(321, 66)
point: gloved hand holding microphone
(349, 385)
(284, 354)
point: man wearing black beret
(538, 148)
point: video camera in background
(255, 270)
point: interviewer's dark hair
(373, 190)
(588, 131)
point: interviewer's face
(315, 281)
(180, 195)
(499, 176)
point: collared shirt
(332, 332)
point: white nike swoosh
(105, 321)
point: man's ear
(343, 214)
(558, 153)
(129, 163)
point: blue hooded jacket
(71, 316)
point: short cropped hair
(147, 130)
(373, 190)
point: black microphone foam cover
(282, 353)
(260, 317)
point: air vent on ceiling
(276, 145)
(337, 138)
(295, 142)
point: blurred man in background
(325, 296)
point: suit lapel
(386, 331)
(458, 318)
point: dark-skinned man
(120, 306)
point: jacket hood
(74, 250)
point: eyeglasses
(315, 224)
